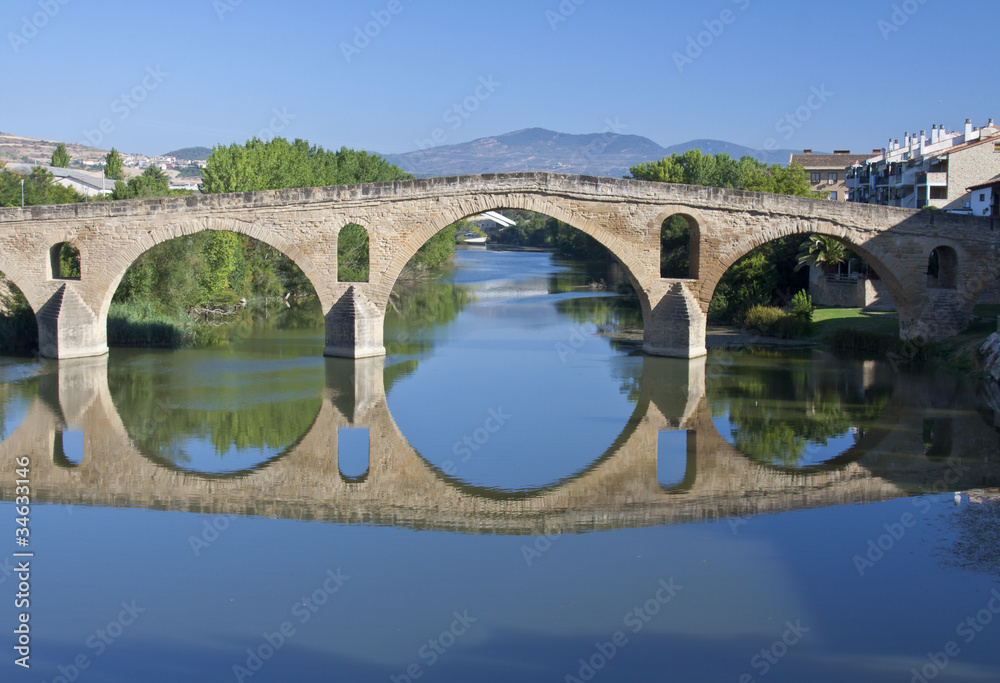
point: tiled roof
(983, 186)
(822, 161)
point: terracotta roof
(822, 161)
(983, 186)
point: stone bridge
(619, 489)
(624, 215)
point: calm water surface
(507, 496)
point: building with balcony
(928, 171)
(828, 172)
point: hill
(17, 149)
(190, 153)
(538, 149)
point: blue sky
(159, 76)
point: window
(996, 146)
(939, 193)
(982, 197)
(833, 196)
(814, 177)
(833, 177)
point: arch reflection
(620, 489)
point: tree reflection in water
(787, 411)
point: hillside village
(86, 163)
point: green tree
(39, 188)
(113, 166)
(60, 157)
(150, 183)
(821, 251)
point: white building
(986, 198)
(929, 171)
(86, 184)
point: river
(510, 494)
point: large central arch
(527, 202)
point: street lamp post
(22, 193)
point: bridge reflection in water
(620, 489)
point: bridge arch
(892, 272)
(697, 224)
(24, 282)
(943, 268)
(350, 226)
(54, 253)
(109, 280)
(538, 203)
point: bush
(771, 321)
(802, 306)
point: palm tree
(821, 251)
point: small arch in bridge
(353, 453)
(679, 254)
(353, 263)
(67, 448)
(64, 262)
(942, 268)
(675, 458)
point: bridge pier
(354, 327)
(945, 313)
(68, 329)
(675, 326)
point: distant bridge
(619, 489)
(624, 215)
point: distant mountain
(536, 149)
(190, 153)
(776, 156)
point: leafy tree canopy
(721, 170)
(60, 157)
(39, 188)
(113, 166)
(278, 164)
